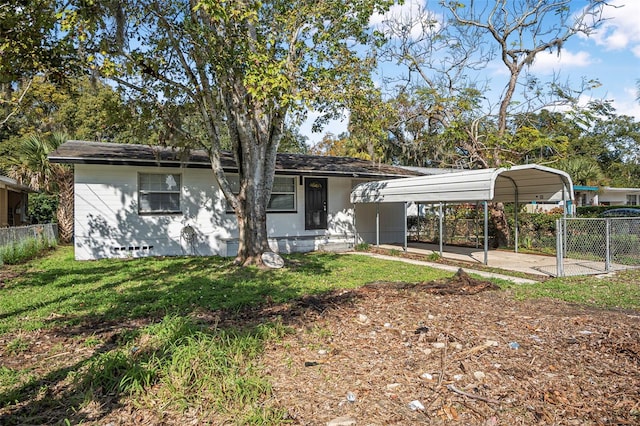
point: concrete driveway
(534, 264)
(507, 260)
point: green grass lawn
(176, 362)
(56, 290)
(619, 291)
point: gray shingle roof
(82, 152)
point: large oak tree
(244, 66)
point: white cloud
(547, 62)
(627, 104)
(411, 14)
(622, 29)
(407, 8)
(626, 107)
(624, 102)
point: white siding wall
(613, 198)
(107, 223)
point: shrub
(363, 247)
(434, 256)
(42, 208)
(625, 244)
(596, 211)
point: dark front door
(315, 195)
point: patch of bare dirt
(446, 352)
(432, 354)
(461, 283)
(6, 275)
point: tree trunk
(500, 225)
(255, 154)
(252, 235)
(508, 96)
(251, 211)
(64, 213)
(255, 126)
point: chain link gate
(596, 246)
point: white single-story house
(606, 196)
(138, 200)
(13, 202)
(586, 195)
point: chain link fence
(596, 246)
(17, 234)
(458, 231)
(581, 246)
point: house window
(159, 193)
(283, 193)
(632, 200)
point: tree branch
(453, 389)
(15, 103)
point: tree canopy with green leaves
(80, 107)
(32, 44)
(244, 67)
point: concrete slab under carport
(445, 267)
(500, 259)
(533, 264)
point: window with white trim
(159, 193)
(283, 193)
(632, 200)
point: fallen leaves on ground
(455, 351)
(468, 355)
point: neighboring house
(606, 196)
(592, 196)
(585, 195)
(137, 200)
(14, 199)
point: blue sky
(611, 55)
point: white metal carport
(516, 184)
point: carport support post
(418, 222)
(440, 227)
(516, 220)
(355, 227)
(405, 227)
(377, 224)
(476, 226)
(559, 248)
(564, 216)
(486, 233)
